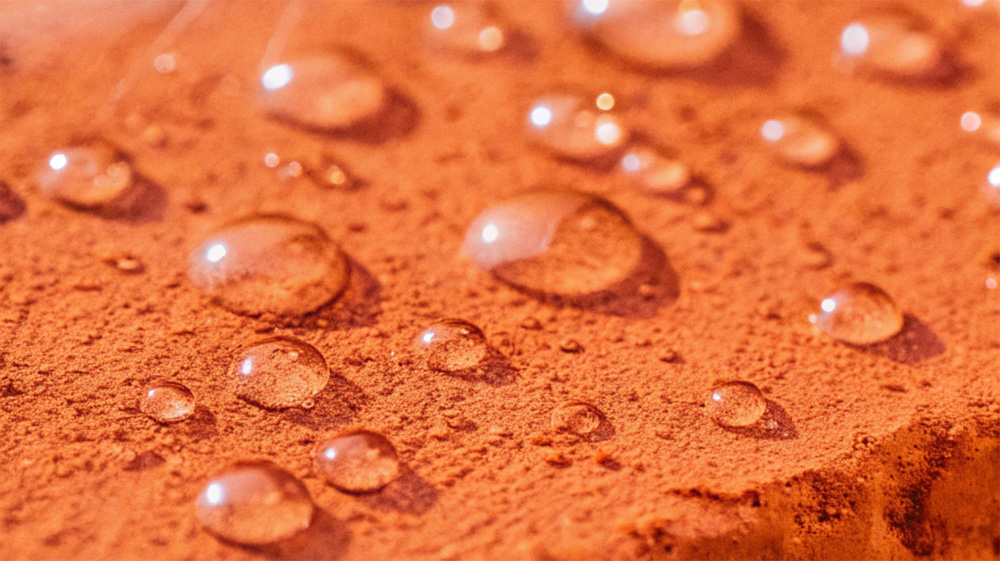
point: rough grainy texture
(889, 451)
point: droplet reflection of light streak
(276, 77)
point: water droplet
(991, 187)
(92, 177)
(581, 419)
(571, 127)
(800, 140)
(859, 314)
(167, 402)
(557, 242)
(357, 462)
(328, 93)
(895, 45)
(270, 264)
(254, 503)
(735, 404)
(453, 345)
(279, 372)
(662, 33)
(654, 172)
(465, 28)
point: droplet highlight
(453, 345)
(167, 402)
(90, 177)
(573, 127)
(254, 503)
(800, 140)
(859, 314)
(556, 242)
(357, 462)
(991, 187)
(465, 28)
(735, 404)
(279, 372)
(328, 93)
(269, 264)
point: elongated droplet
(573, 127)
(800, 140)
(583, 420)
(272, 264)
(859, 314)
(893, 45)
(464, 27)
(167, 402)
(254, 503)
(279, 372)
(453, 345)
(357, 462)
(328, 92)
(667, 34)
(654, 172)
(90, 177)
(735, 404)
(557, 242)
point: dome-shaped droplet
(92, 177)
(581, 419)
(893, 45)
(464, 27)
(859, 314)
(654, 172)
(735, 404)
(453, 345)
(574, 127)
(324, 92)
(666, 34)
(557, 242)
(167, 402)
(358, 461)
(279, 372)
(254, 503)
(269, 264)
(800, 140)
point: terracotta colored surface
(885, 451)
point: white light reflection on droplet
(991, 283)
(490, 39)
(716, 396)
(631, 162)
(165, 63)
(214, 494)
(277, 77)
(994, 176)
(595, 7)
(971, 121)
(692, 22)
(854, 39)
(428, 337)
(605, 101)
(246, 367)
(331, 453)
(490, 233)
(215, 253)
(443, 17)
(541, 116)
(58, 161)
(773, 130)
(608, 133)
(828, 305)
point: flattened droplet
(654, 172)
(893, 45)
(800, 140)
(859, 314)
(572, 127)
(91, 177)
(466, 28)
(358, 462)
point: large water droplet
(573, 127)
(583, 420)
(800, 140)
(270, 264)
(735, 404)
(654, 172)
(661, 33)
(557, 242)
(329, 92)
(254, 503)
(357, 462)
(453, 345)
(859, 314)
(465, 28)
(92, 177)
(894, 45)
(279, 372)
(167, 402)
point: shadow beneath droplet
(336, 405)
(326, 539)
(11, 205)
(914, 343)
(495, 370)
(202, 424)
(358, 306)
(520, 47)
(146, 460)
(847, 166)
(409, 493)
(775, 424)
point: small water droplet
(254, 503)
(165, 63)
(465, 28)
(895, 45)
(453, 345)
(735, 404)
(655, 173)
(167, 402)
(358, 462)
(800, 140)
(557, 242)
(279, 372)
(662, 33)
(571, 127)
(991, 187)
(329, 92)
(90, 177)
(270, 264)
(859, 314)
(582, 419)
